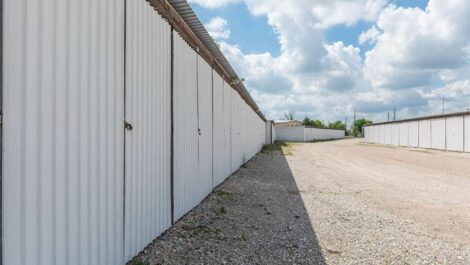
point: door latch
(128, 126)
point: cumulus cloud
(422, 44)
(213, 3)
(416, 56)
(217, 28)
(370, 36)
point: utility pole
(394, 114)
(388, 115)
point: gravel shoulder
(339, 202)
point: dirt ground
(386, 205)
(338, 202)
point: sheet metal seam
(172, 114)
(124, 134)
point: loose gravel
(327, 203)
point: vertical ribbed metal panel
(404, 139)
(376, 134)
(381, 134)
(148, 109)
(245, 130)
(237, 151)
(227, 161)
(186, 167)
(295, 134)
(438, 134)
(425, 134)
(396, 134)
(218, 130)
(63, 134)
(274, 133)
(205, 126)
(467, 134)
(413, 134)
(455, 133)
(388, 133)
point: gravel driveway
(339, 202)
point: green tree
(318, 124)
(358, 125)
(307, 121)
(337, 125)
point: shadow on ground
(256, 217)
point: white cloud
(370, 36)
(346, 12)
(416, 55)
(213, 3)
(217, 28)
(423, 43)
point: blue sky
(245, 27)
(324, 59)
(251, 33)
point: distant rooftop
(284, 121)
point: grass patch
(324, 140)
(139, 262)
(220, 211)
(279, 146)
(222, 193)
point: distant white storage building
(307, 134)
(287, 123)
(444, 132)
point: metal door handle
(128, 126)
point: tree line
(356, 127)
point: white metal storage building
(444, 132)
(118, 118)
(307, 134)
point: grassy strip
(279, 146)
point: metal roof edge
(189, 17)
(430, 117)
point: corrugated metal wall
(425, 134)
(467, 134)
(404, 139)
(455, 134)
(449, 133)
(237, 150)
(186, 167)
(227, 123)
(438, 134)
(388, 134)
(205, 126)
(218, 131)
(413, 134)
(274, 133)
(306, 134)
(295, 134)
(62, 132)
(148, 109)
(396, 134)
(78, 187)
